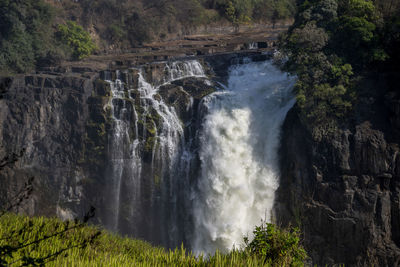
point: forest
(333, 47)
(33, 32)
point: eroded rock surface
(343, 188)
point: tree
(77, 39)
(24, 33)
(330, 41)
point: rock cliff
(45, 115)
(60, 120)
(342, 188)
(84, 139)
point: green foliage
(77, 39)
(116, 32)
(324, 102)
(277, 247)
(358, 29)
(230, 12)
(111, 250)
(27, 28)
(238, 13)
(24, 34)
(359, 8)
(273, 10)
(142, 21)
(245, 11)
(309, 38)
(356, 34)
(330, 43)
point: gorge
(153, 155)
(190, 151)
(135, 145)
(181, 128)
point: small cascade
(170, 129)
(146, 150)
(252, 46)
(179, 70)
(122, 152)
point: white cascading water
(238, 143)
(253, 46)
(124, 154)
(239, 157)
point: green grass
(52, 236)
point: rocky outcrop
(343, 188)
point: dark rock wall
(45, 115)
(62, 122)
(343, 188)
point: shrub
(277, 247)
(77, 39)
(116, 32)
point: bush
(116, 33)
(77, 39)
(277, 247)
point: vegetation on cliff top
(25, 35)
(77, 39)
(29, 37)
(55, 243)
(331, 45)
(34, 32)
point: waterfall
(123, 153)
(179, 70)
(208, 184)
(238, 153)
(146, 149)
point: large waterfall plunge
(208, 184)
(238, 153)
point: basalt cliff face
(45, 115)
(343, 188)
(61, 120)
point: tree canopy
(330, 44)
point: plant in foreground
(279, 247)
